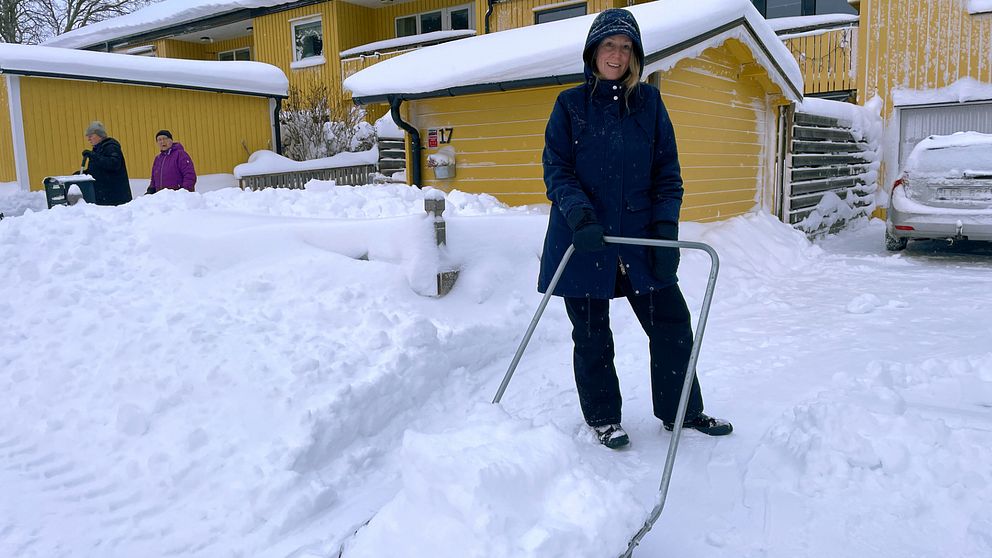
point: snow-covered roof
(979, 6)
(399, 42)
(250, 78)
(671, 30)
(785, 24)
(160, 15)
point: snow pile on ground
(14, 201)
(262, 374)
(509, 489)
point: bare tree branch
(33, 21)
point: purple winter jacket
(173, 169)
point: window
(447, 19)
(561, 12)
(789, 8)
(834, 7)
(308, 39)
(236, 54)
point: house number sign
(437, 136)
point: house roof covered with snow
(161, 15)
(247, 78)
(671, 30)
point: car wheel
(893, 244)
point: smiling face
(613, 56)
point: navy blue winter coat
(621, 161)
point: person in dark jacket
(611, 168)
(173, 167)
(106, 166)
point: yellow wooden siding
(520, 13)
(907, 44)
(720, 123)
(827, 59)
(385, 17)
(498, 139)
(8, 172)
(212, 126)
(357, 26)
(718, 120)
(274, 45)
(171, 48)
(351, 66)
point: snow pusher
(673, 446)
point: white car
(944, 191)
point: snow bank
(15, 201)
(250, 374)
(873, 439)
(501, 487)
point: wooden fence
(357, 175)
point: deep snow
(255, 374)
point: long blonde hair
(630, 83)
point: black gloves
(587, 233)
(87, 153)
(664, 261)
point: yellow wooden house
(931, 65)
(315, 43)
(723, 74)
(221, 113)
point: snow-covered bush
(313, 128)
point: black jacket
(616, 156)
(108, 168)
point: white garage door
(918, 122)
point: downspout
(489, 12)
(278, 128)
(415, 147)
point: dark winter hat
(165, 133)
(613, 21)
(96, 127)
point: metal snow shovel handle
(673, 446)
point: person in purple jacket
(173, 167)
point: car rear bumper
(969, 226)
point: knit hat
(96, 127)
(165, 133)
(614, 21)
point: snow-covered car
(943, 192)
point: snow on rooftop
(962, 90)
(400, 42)
(239, 77)
(979, 6)
(780, 24)
(155, 16)
(555, 49)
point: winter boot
(705, 424)
(611, 435)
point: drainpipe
(489, 12)
(275, 118)
(415, 147)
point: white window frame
(445, 18)
(234, 52)
(309, 60)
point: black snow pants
(665, 318)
